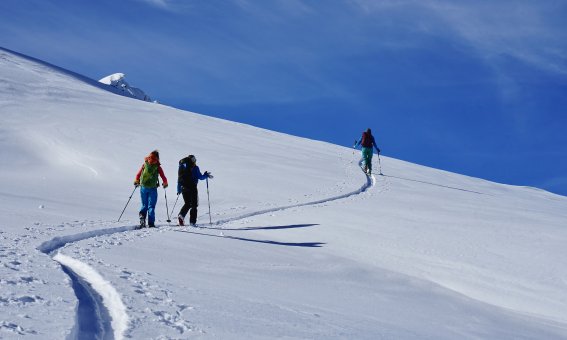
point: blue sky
(475, 87)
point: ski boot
(180, 221)
(142, 221)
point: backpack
(185, 173)
(149, 177)
(366, 140)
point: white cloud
(530, 31)
(496, 33)
(163, 4)
(519, 30)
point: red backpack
(366, 140)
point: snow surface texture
(302, 244)
(117, 81)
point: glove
(378, 149)
(165, 185)
(208, 174)
(136, 183)
(179, 188)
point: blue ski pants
(149, 199)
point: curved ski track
(370, 181)
(99, 303)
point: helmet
(192, 159)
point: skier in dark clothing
(367, 141)
(188, 177)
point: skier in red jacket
(367, 141)
(147, 178)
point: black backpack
(185, 176)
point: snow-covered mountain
(118, 81)
(302, 244)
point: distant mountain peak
(117, 80)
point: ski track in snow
(370, 181)
(108, 306)
(100, 303)
(52, 245)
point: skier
(147, 178)
(367, 141)
(189, 175)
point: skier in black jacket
(189, 175)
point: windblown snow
(302, 244)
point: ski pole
(166, 207)
(209, 201)
(132, 194)
(379, 164)
(173, 209)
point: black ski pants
(191, 199)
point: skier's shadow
(434, 184)
(292, 226)
(288, 244)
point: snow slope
(302, 245)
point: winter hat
(153, 157)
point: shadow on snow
(289, 244)
(292, 226)
(434, 184)
(92, 320)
